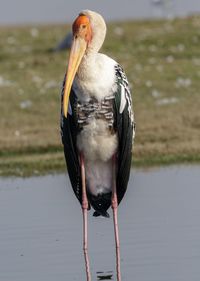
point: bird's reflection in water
(104, 275)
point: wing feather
(125, 126)
(69, 132)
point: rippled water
(159, 219)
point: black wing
(69, 131)
(125, 127)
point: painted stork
(97, 125)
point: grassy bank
(162, 62)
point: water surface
(159, 219)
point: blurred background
(61, 11)
(156, 41)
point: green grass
(162, 62)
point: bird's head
(89, 30)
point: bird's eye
(84, 26)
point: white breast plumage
(95, 78)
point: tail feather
(103, 214)
(100, 203)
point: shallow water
(159, 219)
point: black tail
(100, 203)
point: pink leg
(114, 207)
(84, 210)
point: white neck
(95, 76)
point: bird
(97, 125)
(64, 44)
